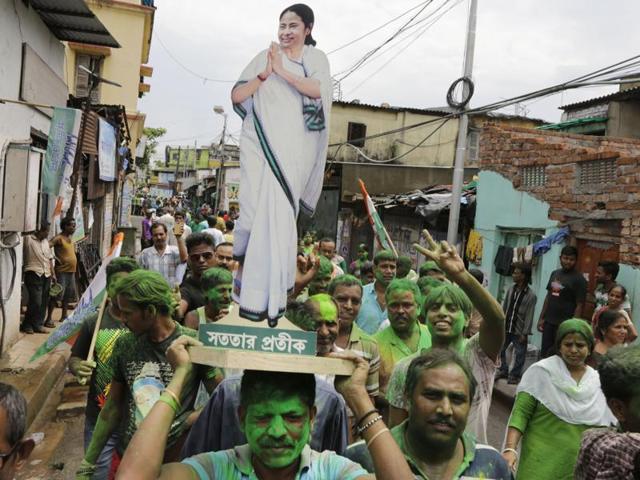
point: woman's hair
(617, 285)
(606, 319)
(575, 325)
(306, 14)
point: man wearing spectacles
(200, 256)
(14, 448)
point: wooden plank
(270, 362)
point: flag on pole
(384, 240)
(88, 305)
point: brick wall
(608, 211)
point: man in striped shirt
(346, 290)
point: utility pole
(219, 180)
(463, 124)
(175, 180)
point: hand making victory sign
(443, 254)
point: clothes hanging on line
(544, 245)
(503, 260)
(474, 247)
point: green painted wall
(502, 209)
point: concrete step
(35, 380)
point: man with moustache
(201, 251)
(374, 306)
(439, 390)
(405, 335)
(448, 309)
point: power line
(187, 69)
(367, 55)
(419, 34)
(377, 28)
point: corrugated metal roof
(72, 20)
(573, 123)
(621, 95)
(424, 111)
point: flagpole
(92, 346)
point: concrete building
(131, 24)
(31, 71)
(534, 182)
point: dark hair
(620, 373)
(199, 238)
(223, 244)
(229, 224)
(257, 386)
(569, 251)
(403, 263)
(605, 320)
(15, 407)
(326, 240)
(477, 274)
(306, 14)
(428, 283)
(617, 285)
(155, 225)
(121, 264)
(525, 269)
(44, 225)
(344, 281)
(66, 221)
(180, 212)
(610, 268)
(366, 267)
(384, 255)
(212, 221)
(435, 358)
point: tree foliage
(152, 134)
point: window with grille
(597, 172)
(356, 133)
(473, 146)
(534, 176)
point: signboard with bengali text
(294, 342)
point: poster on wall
(61, 149)
(107, 151)
(127, 200)
(78, 217)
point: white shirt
(217, 235)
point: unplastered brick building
(533, 182)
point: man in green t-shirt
(99, 371)
(141, 370)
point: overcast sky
(521, 46)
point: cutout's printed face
(445, 319)
(291, 30)
(277, 430)
(574, 350)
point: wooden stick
(271, 362)
(97, 327)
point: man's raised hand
(443, 254)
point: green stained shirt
(393, 349)
(142, 366)
(235, 464)
(549, 445)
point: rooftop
(71, 20)
(631, 93)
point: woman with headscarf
(284, 99)
(557, 399)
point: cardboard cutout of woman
(284, 99)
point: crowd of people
(417, 405)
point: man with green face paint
(99, 371)
(356, 265)
(448, 309)
(374, 305)
(276, 412)
(405, 335)
(217, 284)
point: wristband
(363, 417)
(368, 425)
(173, 396)
(376, 436)
(167, 400)
(512, 450)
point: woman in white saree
(284, 99)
